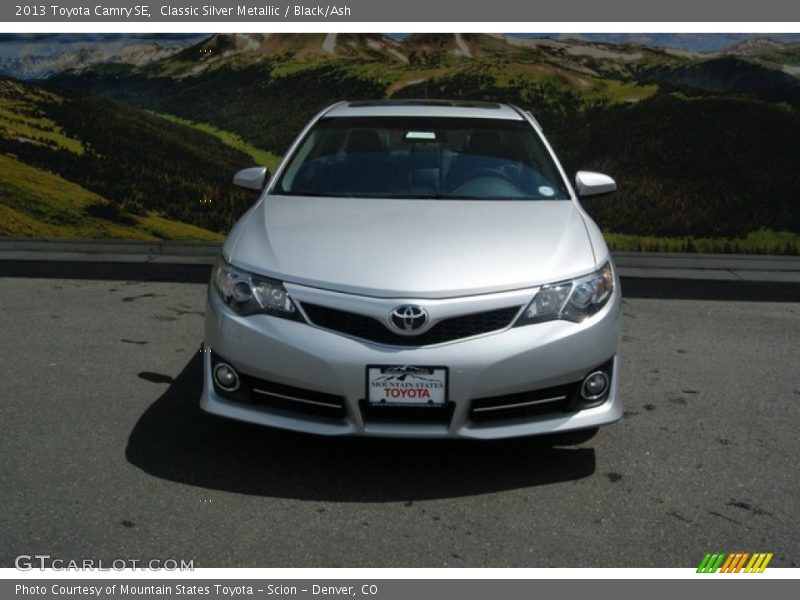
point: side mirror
(254, 178)
(589, 183)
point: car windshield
(441, 158)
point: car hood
(412, 248)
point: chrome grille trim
(483, 409)
(294, 399)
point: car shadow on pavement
(175, 440)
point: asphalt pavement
(104, 452)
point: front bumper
(551, 355)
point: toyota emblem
(408, 318)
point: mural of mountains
(75, 166)
(704, 145)
(41, 66)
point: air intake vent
(524, 404)
(447, 330)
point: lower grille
(525, 404)
(393, 413)
(447, 330)
(283, 397)
(280, 397)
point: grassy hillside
(142, 172)
(232, 140)
(265, 99)
(732, 75)
(709, 167)
(36, 203)
(704, 147)
(22, 120)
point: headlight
(571, 300)
(250, 294)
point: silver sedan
(416, 269)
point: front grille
(447, 330)
(524, 404)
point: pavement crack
(721, 516)
(147, 295)
(155, 377)
(180, 311)
(748, 507)
(679, 517)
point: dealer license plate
(407, 385)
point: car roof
(425, 108)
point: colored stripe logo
(736, 562)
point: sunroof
(453, 103)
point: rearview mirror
(254, 178)
(589, 183)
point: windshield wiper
(427, 196)
(318, 194)
(432, 196)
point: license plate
(407, 385)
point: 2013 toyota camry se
(416, 269)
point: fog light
(594, 386)
(225, 377)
